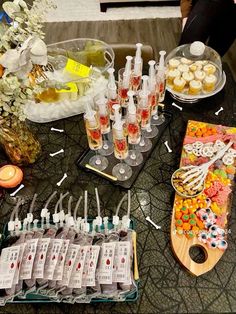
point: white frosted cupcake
(183, 68)
(186, 61)
(171, 75)
(199, 75)
(195, 87)
(209, 83)
(209, 68)
(188, 76)
(179, 84)
(173, 63)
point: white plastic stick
(62, 179)
(153, 223)
(57, 130)
(17, 190)
(168, 147)
(217, 112)
(56, 153)
(177, 106)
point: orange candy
(200, 224)
(178, 215)
(190, 235)
(186, 226)
(195, 229)
(178, 223)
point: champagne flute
(151, 130)
(94, 136)
(144, 116)
(103, 113)
(124, 77)
(122, 171)
(160, 89)
(135, 157)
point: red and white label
(8, 266)
(52, 258)
(105, 264)
(28, 259)
(71, 256)
(77, 272)
(40, 258)
(19, 261)
(121, 267)
(58, 273)
(88, 277)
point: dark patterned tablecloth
(165, 287)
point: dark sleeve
(185, 7)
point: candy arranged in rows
(69, 260)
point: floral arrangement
(23, 54)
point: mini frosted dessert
(195, 87)
(209, 68)
(186, 61)
(199, 64)
(174, 63)
(209, 83)
(179, 84)
(199, 75)
(188, 76)
(183, 68)
(171, 75)
(193, 67)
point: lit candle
(10, 176)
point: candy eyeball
(212, 244)
(222, 245)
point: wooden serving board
(221, 174)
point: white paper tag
(121, 268)
(58, 273)
(77, 272)
(19, 261)
(71, 256)
(40, 258)
(8, 265)
(52, 258)
(28, 259)
(88, 279)
(106, 259)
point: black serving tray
(84, 158)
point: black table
(165, 286)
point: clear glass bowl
(194, 71)
(89, 52)
(51, 105)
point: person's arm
(185, 8)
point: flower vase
(18, 142)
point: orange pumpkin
(10, 176)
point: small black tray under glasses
(83, 161)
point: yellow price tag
(72, 88)
(77, 68)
